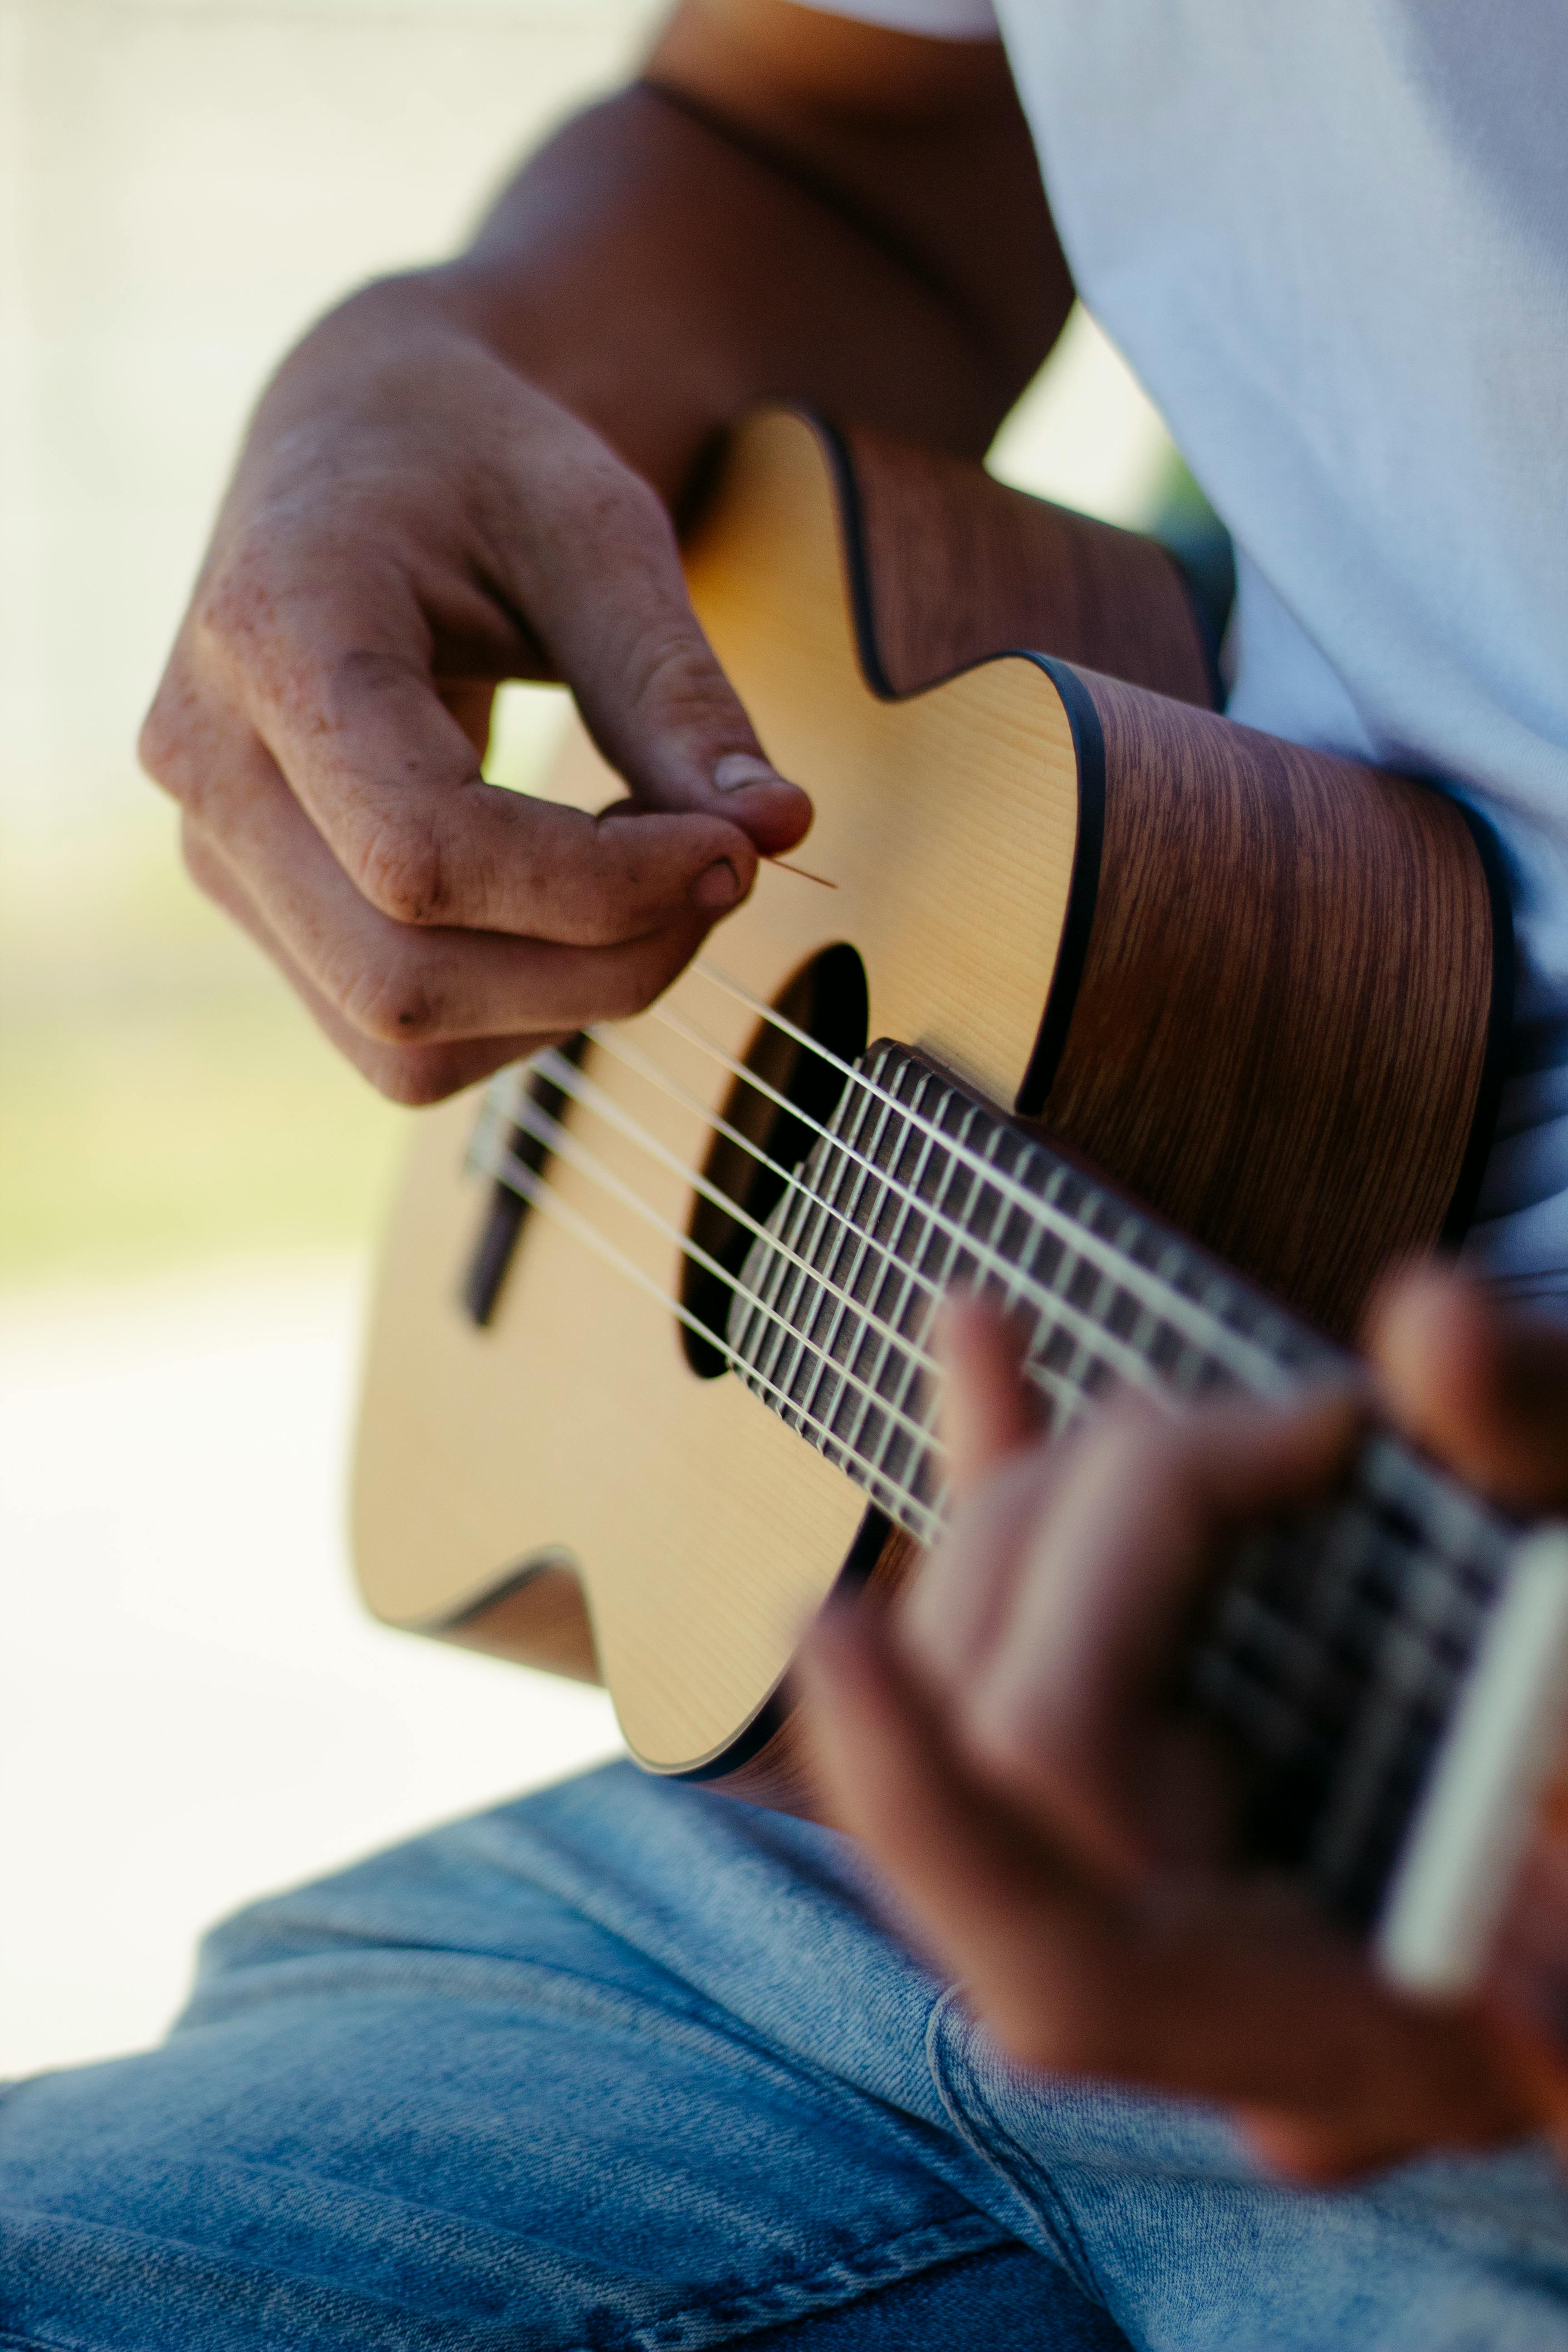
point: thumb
(603, 586)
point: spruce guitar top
(1170, 1034)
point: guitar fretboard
(1337, 1644)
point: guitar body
(1262, 988)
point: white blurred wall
(183, 183)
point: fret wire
(1189, 1361)
(873, 1192)
(950, 1242)
(1066, 1402)
(570, 1081)
(895, 1409)
(861, 1234)
(883, 1184)
(782, 1285)
(1255, 1368)
(1391, 1658)
(907, 1195)
(952, 1236)
(915, 1201)
(550, 1131)
(706, 969)
(1131, 1365)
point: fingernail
(740, 768)
(717, 886)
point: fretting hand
(1059, 1837)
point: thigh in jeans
(365, 2133)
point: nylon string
(565, 1076)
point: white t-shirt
(1332, 241)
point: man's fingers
(957, 1605)
(405, 983)
(949, 1614)
(1235, 1995)
(1484, 1390)
(589, 553)
(414, 1073)
(359, 649)
(989, 1410)
(893, 1779)
(389, 779)
(1064, 1711)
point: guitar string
(1123, 1356)
(1091, 1338)
(541, 1194)
(564, 1074)
(884, 1486)
(1249, 1359)
(1249, 1362)
(1065, 1394)
(560, 1140)
(1068, 1395)
(568, 1080)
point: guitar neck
(1335, 1646)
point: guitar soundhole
(828, 999)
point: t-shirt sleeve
(942, 20)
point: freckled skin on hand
(461, 467)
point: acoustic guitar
(1168, 1035)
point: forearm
(659, 271)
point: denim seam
(993, 2143)
(929, 2247)
(704, 2327)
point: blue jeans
(628, 2066)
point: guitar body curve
(1260, 986)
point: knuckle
(674, 671)
(168, 740)
(402, 869)
(390, 999)
(613, 501)
(232, 604)
(633, 982)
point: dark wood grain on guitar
(958, 567)
(1260, 905)
(1258, 902)
(541, 1620)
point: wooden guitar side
(1256, 984)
